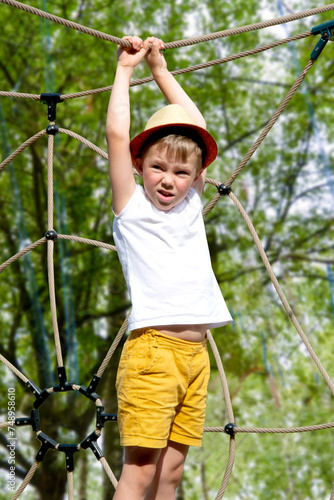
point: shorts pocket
(147, 355)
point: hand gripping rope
(325, 31)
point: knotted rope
(179, 43)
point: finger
(146, 45)
(160, 44)
(156, 43)
(135, 41)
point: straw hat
(174, 119)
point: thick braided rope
(250, 27)
(281, 294)
(228, 402)
(245, 53)
(21, 148)
(228, 470)
(113, 346)
(108, 471)
(50, 244)
(271, 122)
(26, 480)
(142, 81)
(53, 304)
(37, 243)
(22, 252)
(215, 199)
(36, 97)
(70, 485)
(222, 375)
(5, 424)
(85, 141)
(65, 22)
(178, 43)
(50, 181)
(88, 241)
(13, 369)
(332, 494)
(273, 430)
(195, 67)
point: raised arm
(173, 91)
(118, 124)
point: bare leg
(138, 472)
(169, 471)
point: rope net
(51, 237)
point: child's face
(166, 180)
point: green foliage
(286, 188)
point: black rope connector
(41, 398)
(47, 444)
(69, 450)
(40, 395)
(63, 384)
(33, 388)
(33, 421)
(51, 100)
(52, 129)
(51, 235)
(102, 417)
(90, 395)
(326, 30)
(94, 383)
(224, 190)
(89, 391)
(90, 442)
(229, 429)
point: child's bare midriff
(192, 333)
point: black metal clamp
(51, 235)
(229, 429)
(102, 417)
(40, 395)
(326, 32)
(64, 385)
(94, 383)
(69, 450)
(47, 444)
(90, 442)
(89, 391)
(51, 99)
(33, 420)
(224, 190)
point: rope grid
(223, 189)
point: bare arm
(173, 92)
(170, 88)
(118, 125)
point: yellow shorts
(161, 390)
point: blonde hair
(179, 147)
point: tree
(286, 188)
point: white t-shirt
(166, 264)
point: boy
(160, 237)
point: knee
(140, 466)
(144, 475)
(135, 481)
(174, 475)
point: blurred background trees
(287, 189)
